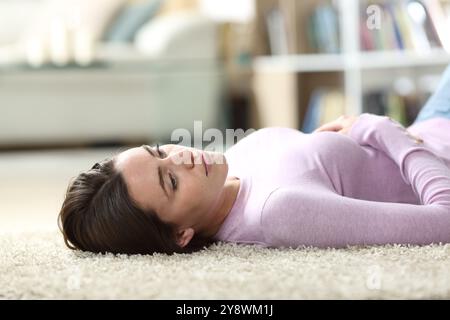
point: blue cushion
(131, 19)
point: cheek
(190, 191)
(221, 173)
(193, 190)
(198, 193)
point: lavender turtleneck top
(375, 185)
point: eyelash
(173, 180)
(160, 152)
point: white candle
(59, 44)
(83, 47)
(35, 52)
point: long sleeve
(316, 215)
(428, 175)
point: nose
(182, 158)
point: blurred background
(81, 80)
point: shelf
(300, 63)
(400, 59)
(343, 62)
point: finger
(332, 126)
(417, 139)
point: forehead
(139, 171)
(130, 156)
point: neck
(224, 206)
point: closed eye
(159, 171)
(173, 181)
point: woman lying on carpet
(362, 180)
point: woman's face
(182, 185)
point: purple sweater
(375, 185)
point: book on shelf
(325, 105)
(276, 29)
(289, 9)
(323, 29)
(417, 25)
(403, 108)
(312, 116)
(294, 27)
(439, 13)
(311, 26)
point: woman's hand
(342, 124)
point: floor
(37, 265)
(33, 184)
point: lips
(205, 164)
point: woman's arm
(317, 216)
(428, 174)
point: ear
(184, 236)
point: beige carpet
(36, 265)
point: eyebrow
(161, 180)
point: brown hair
(98, 215)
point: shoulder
(287, 199)
(283, 201)
(282, 196)
(286, 209)
(290, 213)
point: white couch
(132, 93)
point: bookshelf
(352, 64)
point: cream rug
(36, 265)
